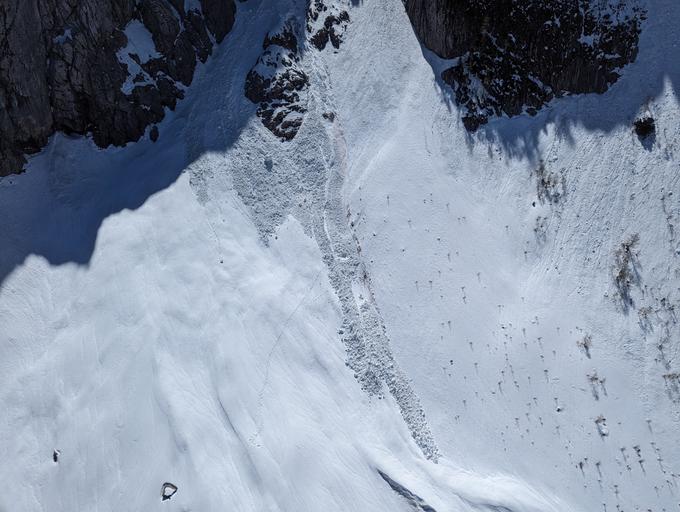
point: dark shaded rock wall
(514, 56)
(61, 67)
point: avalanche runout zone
(363, 331)
(304, 177)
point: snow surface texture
(382, 314)
(140, 43)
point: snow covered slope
(384, 313)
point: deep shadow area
(55, 209)
(641, 82)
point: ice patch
(140, 42)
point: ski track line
(265, 383)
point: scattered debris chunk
(585, 344)
(551, 187)
(626, 270)
(644, 126)
(597, 384)
(168, 490)
(601, 423)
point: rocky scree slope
(511, 57)
(103, 68)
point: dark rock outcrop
(108, 69)
(277, 83)
(514, 56)
(325, 24)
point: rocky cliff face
(110, 69)
(278, 83)
(103, 68)
(515, 56)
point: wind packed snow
(140, 41)
(140, 44)
(383, 314)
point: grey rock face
(278, 84)
(68, 65)
(514, 57)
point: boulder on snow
(168, 490)
(512, 58)
(644, 126)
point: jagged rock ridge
(278, 83)
(514, 57)
(103, 68)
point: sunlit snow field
(172, 312)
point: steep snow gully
(376, 311)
